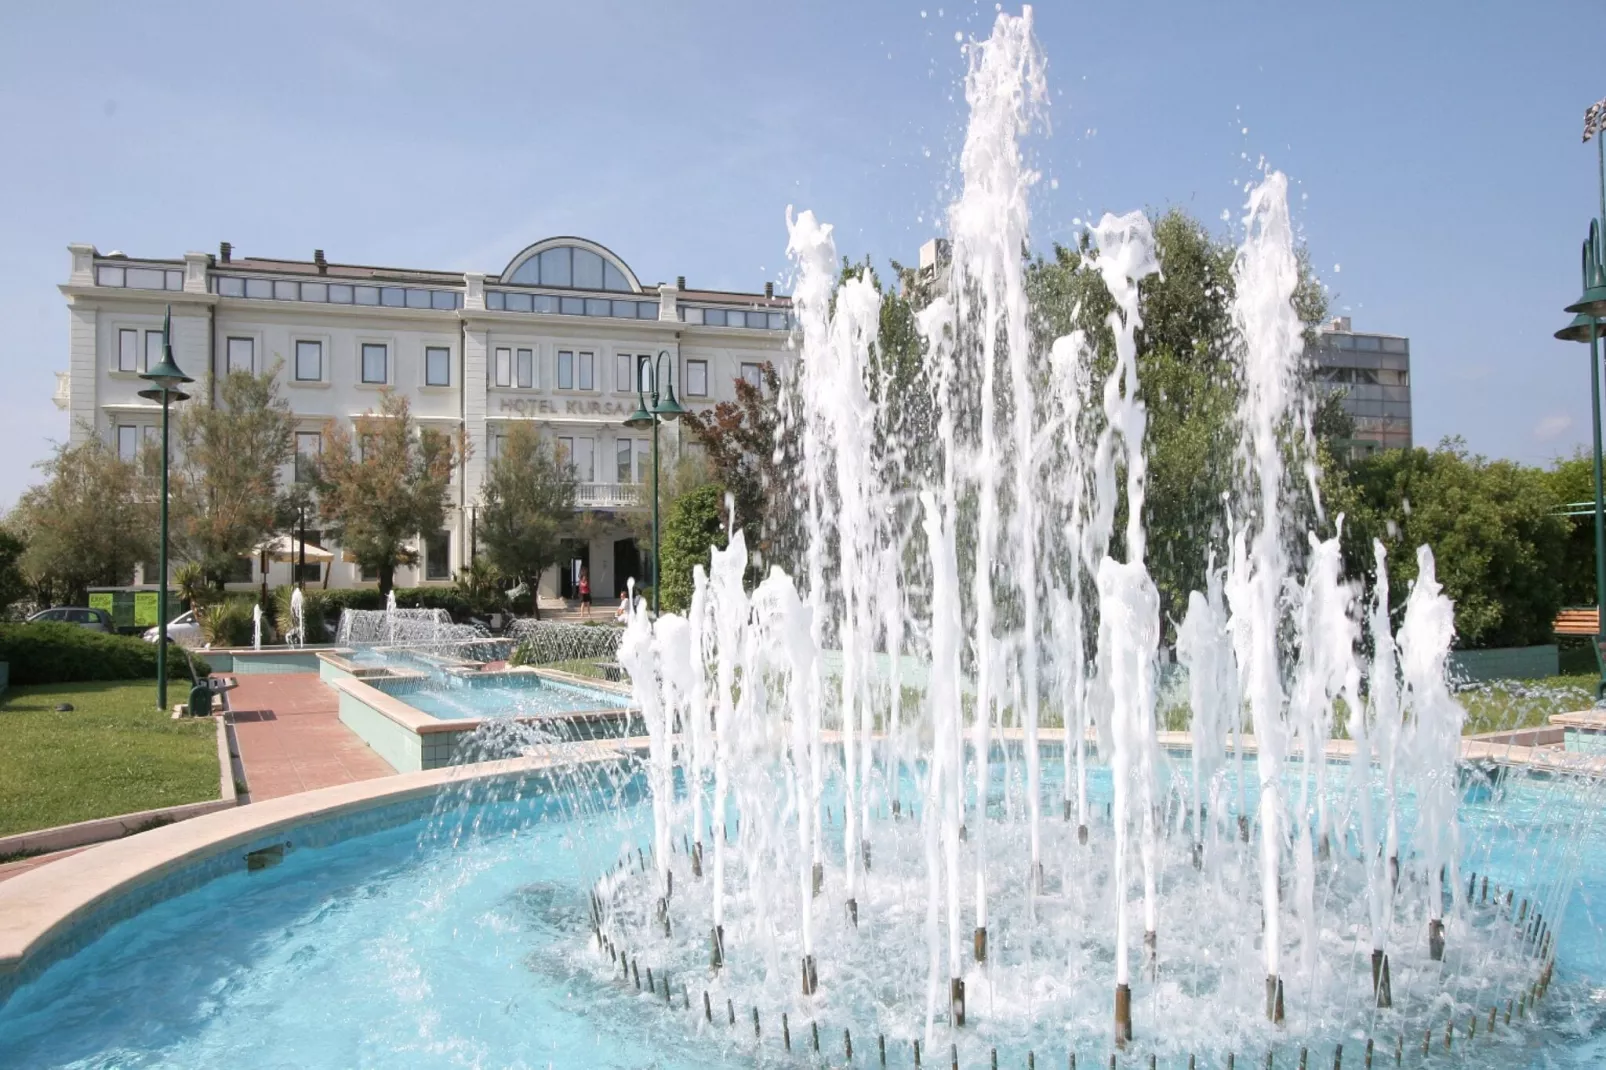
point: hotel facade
(558, 340)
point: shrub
(313, 607)
(69, 653)
(693, 529)
(227, 623)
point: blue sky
(1434, 150)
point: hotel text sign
(566, 407)
(570, 407)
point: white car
(183, 629)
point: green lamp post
(1587, 327)
(166, 379)
(664, 408)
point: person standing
(585, 593)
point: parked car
(183, 629)
(97, 620)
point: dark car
(94, 619)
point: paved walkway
(290, 738)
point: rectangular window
(494, 446)
(714, 317)
(309, 446)
(565, 370)
(366, 295)
(286, 291)
(438, 556)
(242, 355)
(340, 293)
(128, 442)
(587, 371)
(311, 572)
(309, 362)
(754, 374)
(128, 350)
(582, 461)
(315, 291)
(231, 286)
(437, 366)
(624, 451)
(696, 378)
(643, 460)
(527, 369)
(392, 297)
(565, 448)
(417, 298)
(643, 372)
(504, 367)
(623, 362)
(153, 350)
(260, 289)
(375, 362)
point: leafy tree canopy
(225, 485)
(526, 503)
(88, 524)
(382, 483)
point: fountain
(834, 828)
(256, 626)
(995, 561)
(297, 635)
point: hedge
(69, 653)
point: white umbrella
(285, 548)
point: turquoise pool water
(458, 938)
(457, 698)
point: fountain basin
(416, 721)
(440, 917)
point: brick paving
(287, 727)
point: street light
(1586, 327)
(665, 409)
(167, 378)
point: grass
(115, 753)
(1507, 704)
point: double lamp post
(662, 408)
(1589, 325)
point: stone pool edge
(45, 904)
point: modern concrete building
(556, 339)
(1373, 374)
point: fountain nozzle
(1436, 940)
(956, 1000)
(1123, 1015)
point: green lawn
(115, 753)
(1507, 704)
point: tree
(696, 524)
(88, 524)
(748, 454)
(382, 483)
(226, 471)
(1188, 378)
(1496, 540)
(526, 502)
(1571, 480)
(13, 584)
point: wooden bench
(1584, 621)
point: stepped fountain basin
(440, 918)
(424, 720)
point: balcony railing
(607, 495)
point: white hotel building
(555, 339)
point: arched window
(570, 265)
